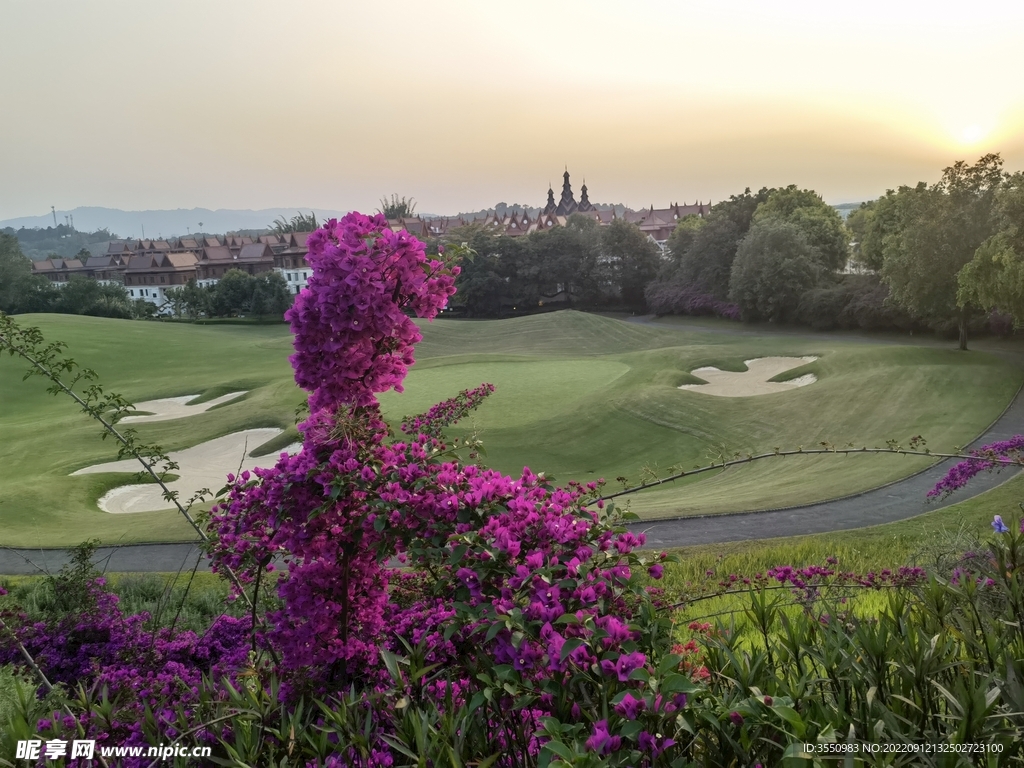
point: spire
(585, 204)
(567, 204)
(550, 207)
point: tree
(270, 295)
(774, 267)
(300, 222)
(633, 258)
(820, 223)
(190, 299)
(861, 223)
(85, 296)
(196, 299)
(682, 238)
(994, 278)
(935, 231)
(397, 209)
(568, 259)
(15, 273)
(481, 290)
(704, 253)
(707, 263)
(232, 295)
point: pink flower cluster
(340, 511)
(353, 337)
(1000, 454)
(446, 413)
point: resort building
(147, 268)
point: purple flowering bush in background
(413, 607)
(685, 299)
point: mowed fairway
(578, 396)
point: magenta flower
(601, 741)
(630, 707)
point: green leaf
(676, 683)
(559, 749)
(493, 631)
(391, 662)
(458, 553)
(792, 717)
(476, 701)
(569, 646)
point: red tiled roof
(217, 253)
(180, 260)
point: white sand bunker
(202, 466)
(175, 408)
(754, 380)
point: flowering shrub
(1003, 453)
(531, 595)
(148, 675)
(680, 299)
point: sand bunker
(754, 380)
(175, 408)
(203, 466)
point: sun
(973, 134)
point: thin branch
(999, 461)
(128, 446)
(790, 587)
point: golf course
(578, 396)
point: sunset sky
(461, 105)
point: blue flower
(999, 525)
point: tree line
(580, 264)
(235, 294)
(945, 257)
(953, 251)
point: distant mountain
(164, 223)
(845, 209)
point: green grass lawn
(578, 396)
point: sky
(461, 104)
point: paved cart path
(897, 501)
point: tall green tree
(702, 254)
(486, 281)
(300, 222)
(707, 263)
(396, 208)
(232, 295)
(15, 273)
(820, 223)
(682, 238)
(633, 259)
(935, 231)
(84, 296)
(270, 297)
(994, 278)
(569, 259)
(775, 266)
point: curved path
(897, 501)
(890, 503)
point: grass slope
(578, 396)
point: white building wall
(296, 278)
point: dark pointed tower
(567, 205)
(550, 207)
(585, 204)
